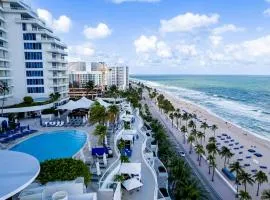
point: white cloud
(267, 12)
(215, 40)
(81, 51)
(188, 22)
(227, 28)
(187, 50)
(101, 31)
(268, 1)
(145, 44)
(163, 50)
(123, 1)
(62, 24)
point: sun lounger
(258, 155)
(248, 157)
(251, 151)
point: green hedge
(63, 170)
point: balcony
(57, 60)
(58, 77)
(59, 51)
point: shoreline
(210, 117)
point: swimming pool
(53, 145)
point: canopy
(73, 105)
(68, 106)
(86, 103)
(103, 103)
(127, 137)
(132, 184)
(131, 168)
(18, 170)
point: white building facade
(80, 78)
(119, 76)
(32, 59)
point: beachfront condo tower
(32, 59)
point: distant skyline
(165, 36)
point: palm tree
(97, 113)
(212, 140)
(184, 130)
(113, 112)
(185, 117)
(89, 86)
(171, 117)
(265, 195)
(229, 156)
(214, 128)
(225, 152)
(212, 148)
(260, 177)
(191, 124)
(101, 132)
(119, 178)
(236, 167)
(200, 151)
(204, 126)
(179, 117)
(191, 139)
(244, 195)
(200, 135)
(210, 159)
(4, 89)
(246, 178)
(175, 117)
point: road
(217, 189)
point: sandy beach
(237, 134)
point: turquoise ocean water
(242, 100)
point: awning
(73, 105)
(131, 168)
(103, 103)
(127, 137)
(132, 184)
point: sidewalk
(148, 188)
(217, 189)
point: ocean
(242, 100)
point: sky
(165, 36)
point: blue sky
(165, 36)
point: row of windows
(33, 55)
(34, 65)
(32, 45)
(35, 81)
(29, 36)
(34, 73)
(35, 89)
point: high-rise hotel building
(32, 59)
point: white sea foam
(222, 107)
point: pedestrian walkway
(148, 189)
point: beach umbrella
(98, 168)
(105, 159)
(67, 119)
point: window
(33, 55)
(24, 27)
(35, 89)
(35, 81)
(54, 64)
(34, 73)
(53, 55)
(29, 36)
(32, 45)
(34, 65)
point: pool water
(53, 145)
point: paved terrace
(217, 189)
(147, 192)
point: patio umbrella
(86, 117)
(83, 119)
(105, 159)
(67, 119)
(98, 169)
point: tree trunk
(258, 188)
(190, 148)
(213, 174)
(209, 169)
(225, 162)
(200, 160)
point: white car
(182, 154)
